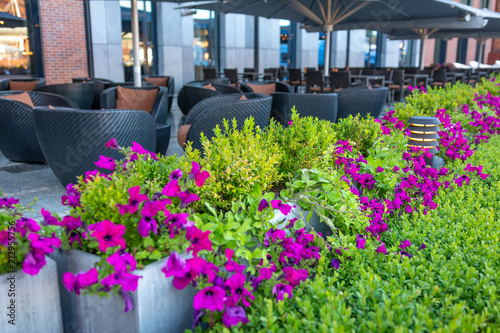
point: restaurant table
(368, 78)
(418, 77)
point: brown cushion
(23, 98)
(135, 99)
(397, 86)
(157, 81)
(318, 89)
(243, 98)
(209, 86)
(182, 134)
(51, 107)
(22, 85)
(263, 88)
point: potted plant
(28, 278)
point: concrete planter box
(158, 306)
(280, 220)
(37, 303)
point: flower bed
(393, 222)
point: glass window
(147, 47)
(321, 50)
(204, 47)
(285, 37)
(16, 51)
(371, 48)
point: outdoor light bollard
(424, 133)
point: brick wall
(63, 38)
(430, 46)
(451, 50)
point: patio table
(415, 78)
(368, 78)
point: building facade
(62, 39)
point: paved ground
(28, 181)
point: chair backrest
(398, 76)
(209, 73)
(4, 83)
(193, 93)
(272, 73)
(81, 93)
(279, 86)
(310, 69)
(340, 79)
(411, 70)
(440, 75)
(322, 106)
(295, 75)
(248, 70)
(368, 71)
(362, 100)
(314, 78)
(231, 74)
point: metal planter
(158, 306)
(37, 306)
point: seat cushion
(397, 86)
(242, 98)
(318, 89)
(22, 85)
(135, 99)
(157, 81)
(23, 98)
(209, 86)
(263, 88)
(182, 135)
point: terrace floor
(27, 181)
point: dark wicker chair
(18, 141)
(280, 86)
(193, 93)
(340, 80)
(232, 75)
(159, 113)
(72, 140)
(209, 73)
(81, 93)
(362, 100)
(316, 83)
(4, 83)
(322, 106)
(170, 86)
(210, 112)
(295, 78)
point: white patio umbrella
(330, 15)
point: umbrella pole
(422, 49)
(481, 47)
(328, 36)
(135, 43)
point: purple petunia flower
(404, 244)
(172, 189)
(336, 263)
(127, 299)
(198, 175)
(106, 163)
(8, 203)
(210, 298)
(199, 240)
(381, 249)
(283, 208)
(79, 281)
(175, 266)
(281, 289)
(404, 253)
(421, 247)
(128, 282)
(236, 285)
(120, 261)
(133, 202)
(186, 198)
(113, 144)
(234, 315)
(263, 205)
(379, 169)
(176, 174)
(294, 276)
(108, 234)
(360, 241)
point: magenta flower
(46, 244)
(137, 148)
(406, 254)
(198, 175)
(234, 315)
(421, 247)
(127, 299)
(210, 298)
(4, 238)
(175, 266)
(176, 174)
(48, 219)
(186, 198)
(294, 276)
(79, 281)
(199, 240)
(336, 263)
(284, 208)
(236, 285)
(34, 261)
(290, 123)
(106, 163)
(108, 234)
(360, 241)
(8, 203)
(379, 169)
(113, 144)
(121, 260)
(172, 188)
(176, 222)
(281, 289)
(72, 196)
(148, 212)
(127, 281)
(404, 244)
(24, 225)
(133, 202)
(263, 205)
(381, 249)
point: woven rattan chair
(211, 112)
(18, 141)
(159, 113)
(4, 83)
(193, 93)
(170, 86)
(232, 75)
(280, 86)
(362, 100)
(72, 140)
(209, 73)
(81, 93)
(322, 106)
(316, 83)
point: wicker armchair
(362, 100)
(72, 140)
(159, 113)
(193, 93)
(81, 93)
(280, 86)
(18, 141)
(210, 112)
(4, 84)
(170, 86)
(322, 106)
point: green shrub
(238, 160)
(360, 132)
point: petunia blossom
(236, 285)
(199, 240)
(234, 315)
(281, 289)
(381, 249)
(404, 244)
(128, 282)
(122, 261)
(79, 281)
(210, 298)
(106, 163)
(360, 241)
(133, 202)
(108, 234)
(283, 208)
(263, 205)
